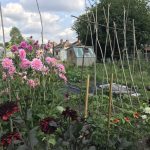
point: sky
(56, 16)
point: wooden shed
(147, 52)
(75, 55)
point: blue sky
(56, 16)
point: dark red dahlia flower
(7, 109)
(48, 125)
(7, 138)
(70, 113)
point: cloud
(28, 22)
(14, 11)
(54, 5)
(56, 24)
(67, 34)
(7, 31)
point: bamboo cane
(110, 106)
(1, 15)
(87, 96)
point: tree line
(137, 10)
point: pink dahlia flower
(51, 61)
(45, 70)
(22, 54)
(23, 44)
(39, 53)
(4, 76)
(32, 83)
(7, 63)
(30, 48)
(61, 68)
(36, 64)
(11, 70)
(62, 76)
(25, 64)
(14, 48)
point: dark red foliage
(7, 109)
(70, 113)
(148, 141)
(66, 95)
(7, 138)
(48, 125)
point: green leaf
(18, 119)
(124, 143)
(52, 141)
(60, 109)
(41, 116)
(32, 137)
(92, 148)
(22, 147)
(123, 121)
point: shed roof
(147, 48)
(86, 50)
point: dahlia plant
(29, 84)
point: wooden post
(87, 96)
(53, 50)
(1, 15)
(110, 105)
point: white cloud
(7, 30)
(14, 11)
(56, 25)
(67, 34)
(28, 22)
(54, 5)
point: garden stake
(44, 88)
(139, 63)
(10, 120)
(110, 106)
(82, 67)
(87, 95)
(42, 30)
(9, 89)
(108, 39)
(121, 61)
(1, 130)
(96, 39)
(3, 30)
(11, 125)
(127, 56)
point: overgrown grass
(99, 104)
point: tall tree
(15, 35)
(139, 10)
